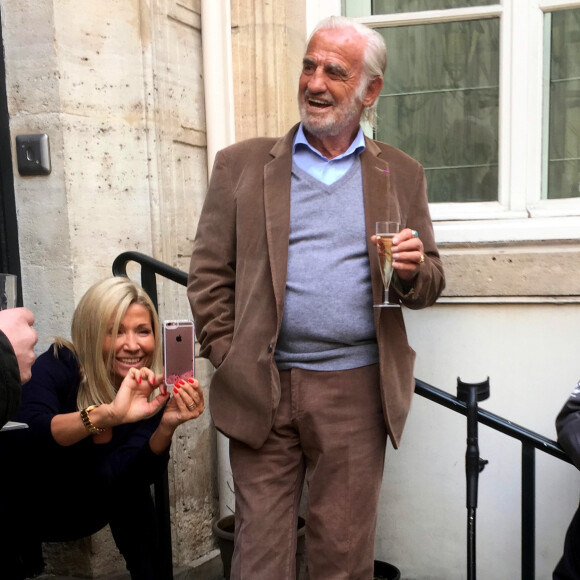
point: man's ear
(373, 91)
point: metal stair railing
(531, 441)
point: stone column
(268, 41)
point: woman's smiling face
(134, 343)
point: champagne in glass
(385, 232)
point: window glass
(564, 94)
(440, 105)
(395, 6)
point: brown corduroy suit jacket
(238, 269)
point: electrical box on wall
(33, 154)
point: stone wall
(515, 271)
(117, 85)
(268, 42)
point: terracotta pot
(224, 530)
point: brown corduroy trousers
(329, 428)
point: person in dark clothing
(17, 340)
(568, 429)
(97, 437)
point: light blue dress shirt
(316, 165)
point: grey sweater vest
(328, 311)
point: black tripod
(471, 393)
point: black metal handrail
(150, 267)
(496, 422)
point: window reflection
(440, 105)
(564, 94)
(395, 6)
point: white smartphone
(178, 350)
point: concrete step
(209, 570)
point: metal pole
(528, 512)
(471, 393)
(471, 544)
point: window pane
(564, 136)
(394, 6)
(440, 105)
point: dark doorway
(9, 251)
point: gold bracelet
(92, 429)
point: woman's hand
(132, 403)
(187, 403)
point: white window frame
(520, 214)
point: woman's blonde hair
(98, 314)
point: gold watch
(92, 429)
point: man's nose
(317, 81)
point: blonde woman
(97, 436)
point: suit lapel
(277, 178)
(379, 203)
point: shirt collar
(356, 147)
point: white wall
(530, 354)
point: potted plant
(385, 571)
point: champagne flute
(385, 232)
(8, 289)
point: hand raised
(132, 403)
(187, 403)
